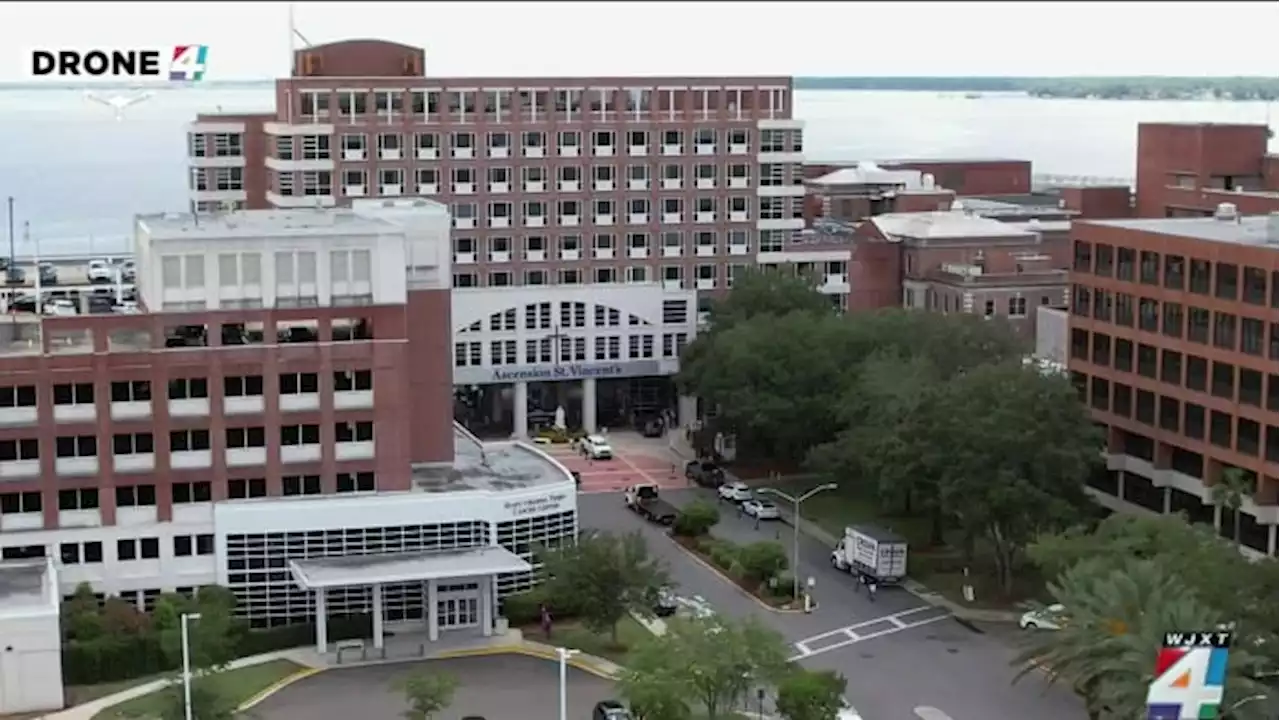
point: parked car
(101, 271)
(15, 276)
(60, 308)
(762, 509)
(1050, 618)
(610, 710)
(596, 448)
(736, 491)
(22, 303)
(704, 473)
(48, 273)
(128, 271)
(129, 307)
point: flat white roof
(263, 224)
(943, 224)
(351, 570)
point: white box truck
(873, 552)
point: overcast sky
(250, 40)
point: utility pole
(11, 238)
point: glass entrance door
(459, 611)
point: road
(897, 653)
(498, 687)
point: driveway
(898, 653)
(497, 687)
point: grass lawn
(571, 633)
(81, 694)
(239, 685)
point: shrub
(781, 586)
(696, 519)
(762, 560)
(723, 554)
(523, 608)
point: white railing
(1045, 181)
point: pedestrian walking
(871, 590)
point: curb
(586, 663)
(277, 686)
(728, 580)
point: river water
(78, 174)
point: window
(1224, 330)
(241, 488)
(1198, 325)
(1255, 286)
(73, 394)
(299, 383)
(1175, 272)
(250, 437)
(132, 444)
(21, 449)
(188, 440)
(1147, 361)
(13, 503)
(1169, 414)
(131, 391)
(1101, 348)
(1017, 307)
(1125, 261)
(242, 386)
(1122, 400)
(1172, 321)
(78, 499)
(356, 482)
(301, 434)
(352, 380)
(1149, 268)
(1197, 373)
(1226, 281)
(1103, 260)
(1124, 355)
(1251, 336)
(1250, 387)
(188, 389)
(77, 446)
(1223, 381)
(301, 484)
(138, 549)
(1193, 419)
(1083, 261)
(1220, 429)
(1171, 367)
(76, 553)
(199, 491)
(188, 545)
(1200, 275)
(17, 396)
(1148, 315)
(1145, 408)
(1099, 393)
(1124, 309)
(136, 496)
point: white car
(1049, 618)
(762, 509)
(60, 308)
(128, 307)
(101, 271)
(736, 491)
(596, 448)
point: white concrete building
(30, 637)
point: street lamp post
(564, 654)
(186, 662)
(795, 528)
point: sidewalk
(936, 599)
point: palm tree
(1115, 619)
(1233, 486)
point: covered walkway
(459, 593)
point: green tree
(213, 638)
(811, 695)
(602, 578)
(208, 702)
(1115, 618)
(713, 661)
(696, 519)
(81, 615)
(1229, 493)
(762, 560)
(764, 292)
(1019, 444)
(426, 694)
(1206, 566)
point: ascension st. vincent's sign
(567, 371)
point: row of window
(146, 548)
(602, 246)
(83, 446)
(540, 104)
(463, 144)
(68, 394)
(12, 396)
(1190, 419)
(573, 314)
(1181, 370)
(467, 180)
(702, 277)
(182, 493)
(1225, 281)
(1223, 330)
(570, 349)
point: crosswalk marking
(900, 621)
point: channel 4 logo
(180, 63)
